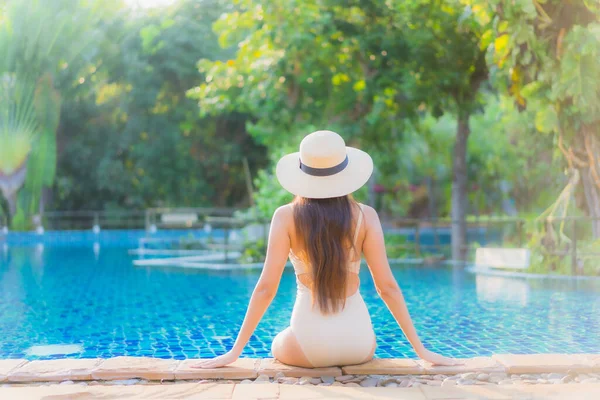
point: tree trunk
(590, 178)
(459, 188)
(592, 197)
(432, 206)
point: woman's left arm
(277, 254)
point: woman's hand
(219, 361)
(437, 359)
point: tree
(447, 67)
(365, 68)
(333, 64)
(132, 139)
(38, 40)
(318, 64)
(546, 54)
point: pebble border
(400, 381)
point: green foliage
(506, 148)
(270, 195)
(117, 82)
(17, 129)
(291, 89)
(546, 55)
(366, 70)
(37, 40)
(397, 246)
(189, 243)
(446, 65)
(552, 250)
(254, 252)
(140, 122)
(135, 139)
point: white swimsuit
(343, 338)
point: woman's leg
(285, 348)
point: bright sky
(149, 3)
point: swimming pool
(99, 303)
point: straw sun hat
(324, 167)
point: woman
(324, 232)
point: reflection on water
(96, 250)
(501, 289)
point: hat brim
(350, 179)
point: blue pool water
(58, 294)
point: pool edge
(154, 369)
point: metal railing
(88, 220)
(190, 218)
(131, 219)
(422, 237)
(434, 236)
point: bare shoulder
(372, 222)
(284, 214)
(370, 215)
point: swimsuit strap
(355, 266)
(358, 224)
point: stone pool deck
(502, 376)
(269, 391)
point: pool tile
(55, 370)
(542, 363)
(270, 367)
(262, 391)
(481, 364)
(112, 309)
(391, 366)
(242, 368)
(135, 367)
(6, 366)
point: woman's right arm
(388, 289)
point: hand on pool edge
(438, 359)
(217, 362)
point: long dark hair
(324, 226)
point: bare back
(302, 266)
